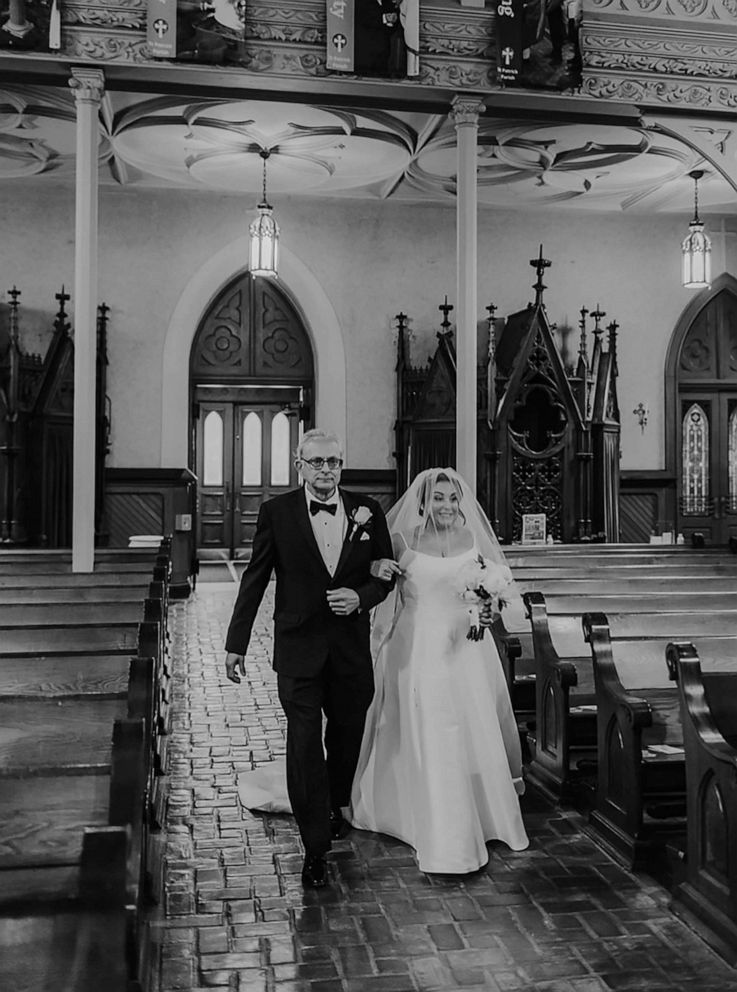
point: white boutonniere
(360, 519)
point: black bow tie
(316, 506)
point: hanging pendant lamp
(696, 246)
(264, 236)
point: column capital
(88, 85)
(466, 109)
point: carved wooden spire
(445, 324)
(401, 319)
(540, 264)
(583, 357)
(613, 328)
(61, 323)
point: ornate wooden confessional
(548, 436)
(36, 433)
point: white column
(465, 116)
(88, 87)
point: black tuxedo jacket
(306, 631)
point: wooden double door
(708, 501)
(706, 440)
(244, 454)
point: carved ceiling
(213, 144)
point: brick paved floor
(559, 917)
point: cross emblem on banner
(507, 55)
(340, 41)
(160, 27)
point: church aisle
(559, 917)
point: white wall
(371, 260)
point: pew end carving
(564, 731)
(640, 795)
(707, 894)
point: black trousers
(320, 778)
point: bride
(440, 765)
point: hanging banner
(374, 37)
(161, 31)
(509, 39)
(537, 44)
(191, 31)
(340, 35)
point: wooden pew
(564, 735)
(516, 647)
(26, 568)
(69, 580)
(683, 568)
(665, 584)
(89, 613)
(641, 779)
(587, 569)
(74, 776)
(579, 583)
(75, 594)
(707, 895)
(521, 554)
(81, 719)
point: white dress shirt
(329, 529)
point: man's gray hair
(316, 434)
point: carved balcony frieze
(106, 13)
(674, 53)
(289, 39)
(708, 11)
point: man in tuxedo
(320, 541)
(375, 22)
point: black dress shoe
(315, 872)
(338, 826)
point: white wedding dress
(440, 765)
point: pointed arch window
(252, 430)
(213, 445)
(280, 455)
(695, 460)
(732, 459)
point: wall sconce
(642, 412)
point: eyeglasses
(318, 463)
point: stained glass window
(252, 450)
(695, 456)
(280, 454)
(732, 459)
(213, 445)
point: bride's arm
(385, 568)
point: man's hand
(235, 666)
(343, 601)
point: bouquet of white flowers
(478, 582)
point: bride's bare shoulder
(401, 541)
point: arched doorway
(252, 386)
(701, 413)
